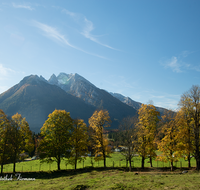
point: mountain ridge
(35, 98)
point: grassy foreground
(106, 179)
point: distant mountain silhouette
(35, 98)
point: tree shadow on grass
(72, 173)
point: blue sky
(144, 49)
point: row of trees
(175, 134)
(63, 137)
(60, 137)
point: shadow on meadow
(72, 173)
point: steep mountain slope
(134, 104)
(83, 89)
(77, 86)
(127, 100)
(35, 98)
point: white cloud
(54, 34)
(22, 6)
(71, 14)
(87, 27)
(178, 65)
(5, 72)
(174, 64)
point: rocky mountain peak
(32, 79)
(53, 79)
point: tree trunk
(14, 161)
(189, 163)
(172, 166)
(197, 156)
(197, 165)
(129, 157)
(151, 165)
(104, 159)
(129, 163)
(14, 164)
(75, 160)
(58, 163)
(143, 162)
(1, 167)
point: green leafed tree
(56, 133)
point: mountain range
(35, 98)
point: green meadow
(115, 160)
(108, 179)
(92, 175)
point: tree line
(174, 134)
(61, 137)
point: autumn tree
(20, 138)
(97, 122)
(168, 145)
(126, 138)
(79, 141)
(4, 134)
(185, 135)
(146, 132)
(193, 109)
(56, 133)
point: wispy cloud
(87, 27)
(5, 72)
(54, 34)
(20, 6)
(71, 14)
(177, 64)
(174, 65)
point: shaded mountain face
(34, 98)
(78, 86)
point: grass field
(116, 160)
(96, 177)
(108, 179)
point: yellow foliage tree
(98, 121)
(79, 141)
(56, 133)
(20, 137)
(146, 132)
(4, 134)
(168, 145)
(185, 135)
(190, 103)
